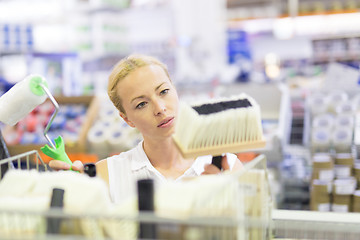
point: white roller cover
(21, 99)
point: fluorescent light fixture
(284, 28)
(27, 11)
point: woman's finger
(59, 165)
(210, 169)
(78, 166)
(224, 163)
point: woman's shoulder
(128, 156)
(102, 170)
(131, 153)
(102, 166)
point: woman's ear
(123, 116)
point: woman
(141, 89)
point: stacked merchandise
(221, 206)
(332, 121)
(109, 133)
(335, 177)
(334, 183)
(30, 130)
(294, 178)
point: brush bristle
(219, 123)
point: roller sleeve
(21, 99)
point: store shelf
(274, 102)
(244, 3)
(316, 225)
(72, 146)
(286, 8)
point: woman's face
(150, 101)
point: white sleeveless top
(128, 167)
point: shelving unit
(315, 225)
(191, 37)
(286, 8)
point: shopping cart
(26, 161)
(238, 207)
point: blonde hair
(123, 68)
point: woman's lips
(166, 122)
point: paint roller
(24, 97)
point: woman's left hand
(212, 169)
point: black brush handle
(216, 160)
(57, 201)
(146, 203)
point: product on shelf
(332, 121)
(335, 179)
(356, 201)
(323, 167)
(110, 134)
(72, 122)
(320, 195)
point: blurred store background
(299, 59)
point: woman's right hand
(60, 165)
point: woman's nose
(159, 107)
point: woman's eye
(165, 91)
(140, 105)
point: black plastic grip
(57, 202)
(90, 169)
(216, 160)
(146, 204)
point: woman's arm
(212, 169)
(102, 170)
(101, 167)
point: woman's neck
(162, 153)
(165, 157)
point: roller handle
(57, 153)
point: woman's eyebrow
(157, 88)
(143, 96)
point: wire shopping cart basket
(26, 161)
(237, 206)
